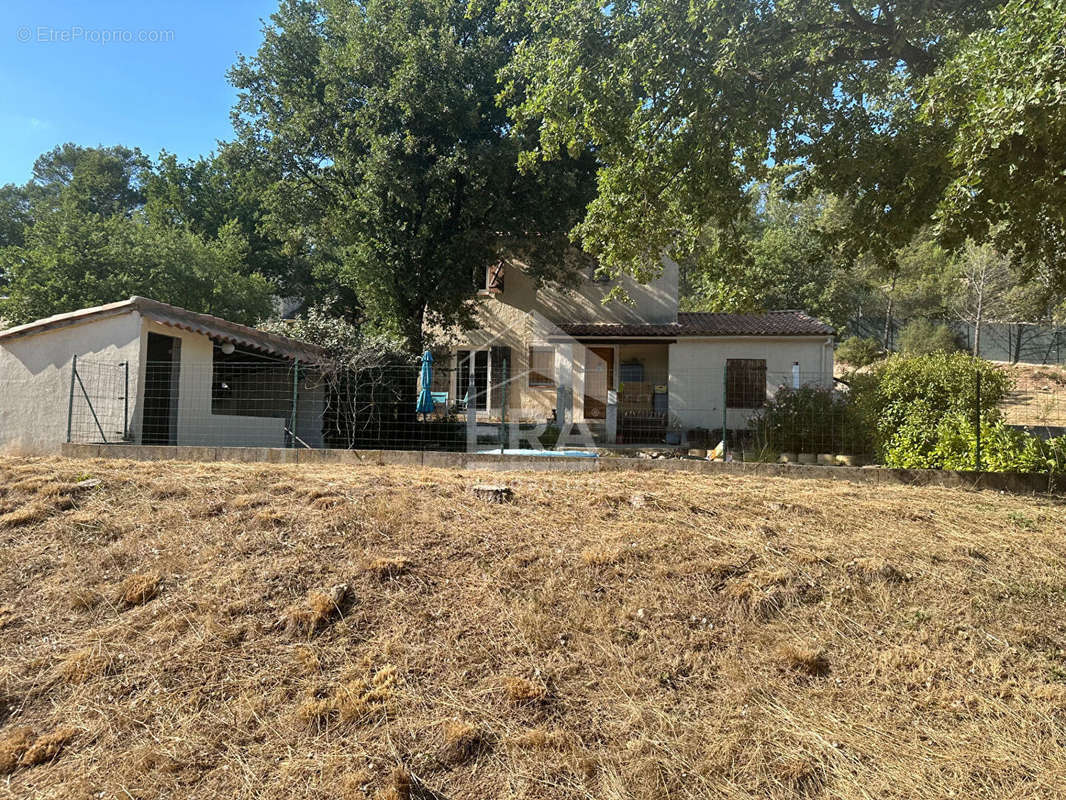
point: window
(541, 366)
(473, 364)
(493, 278)
(745, 382)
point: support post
(70, 400)
(725, 410)
(471, 411)
(977, 422)
(295, 400)
(125, 401)
(503, 409)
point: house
(145, 372)
(631, 371)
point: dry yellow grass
(729, 637)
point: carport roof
(164, 314)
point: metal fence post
(977, 422)
(725, 395)
(295, 400)
(70, 400)
(503, 409)
(125, 400)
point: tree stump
(493, 494)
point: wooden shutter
(745, 382)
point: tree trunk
(977, 327)
(888, 314)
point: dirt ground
(262, 631)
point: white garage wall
(697, 369)
(35, 377)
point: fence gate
(98, 403)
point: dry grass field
(259, 631)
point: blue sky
(61, 81)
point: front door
(599, 377)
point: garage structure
(146, 372)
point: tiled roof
(219, 329)
(771, 323)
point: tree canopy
(392, 161)
(687, 102)
(78, 235)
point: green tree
(85, 239)
(71, 260)
(98, 180)
(391, 159)
(206, 194)
(922, 337)
(1002, 98)
(789, 259)
(688, 101)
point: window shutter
(745, 382)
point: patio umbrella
(425, 399)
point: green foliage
(72, 260)
(206, 194)
(80, 234)
(390, 159)
(1000, 98)
(856, 351)
(921, 337)
(688, 102)
(904, 400)
(808, 420)
(350, 346)
(1003, 449)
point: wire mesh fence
(737, 410)
(1011, 342)
(98, 402)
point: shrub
(1003, 449)
(920, 337)
(906, 401)
(808, 419)
(856, 351)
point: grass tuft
(805, 660)
(522, 692)
(137, 590)
(315, 613)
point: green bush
(920, 337)
(856, 351)
(909, 403)
(1003, 449)
(808, 420)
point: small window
(745, 382)
(493, 278)
(541, 366)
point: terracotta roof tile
(771, 323)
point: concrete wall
(35, 373)
(697, 368)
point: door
(159, 424)
(599, 377)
